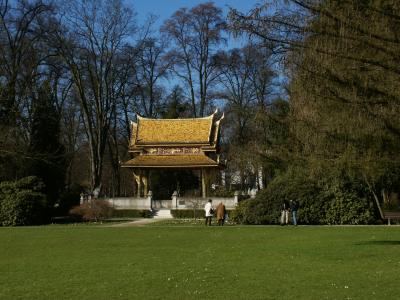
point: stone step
(163, 214)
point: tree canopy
(313, 87)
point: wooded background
(312, 95)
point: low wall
(188, 202)
(129, 203)
(175, 203)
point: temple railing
(131, 202)
(176, 202)
(199, 202)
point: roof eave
(172, 167)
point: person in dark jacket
(293, 209)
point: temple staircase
(162, 214)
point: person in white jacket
(209, 212)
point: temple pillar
(174, 199)
(203, 183)
(149, 198)
(139, 192)
(236, 198)
(138, 183)
(145, 184)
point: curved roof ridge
(174, 131)
(177, 119)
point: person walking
(293, 209)
(209, 212)
(284, 213)
(221, 211)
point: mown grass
(171, 262)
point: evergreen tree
(341, 58)
(175, 106)
(345, 96)
(46, 152)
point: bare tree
(90, 39)
(20, 38)
(196, 33)
(234, 67)
(246, 79)
(150, 68)
(22, 65)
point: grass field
(171, 262)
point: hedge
(131, 213)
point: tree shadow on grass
(378, 242)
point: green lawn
(266, 262)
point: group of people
(287, 208)
(220, 212)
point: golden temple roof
(171, 161)
(173, 131)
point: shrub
(256, 211)
(22, 202)
(240, 213)
(31, 183)
(265, 208)
(93, 210)
(330, 200)
(347, 207)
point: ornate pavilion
(191, 144)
